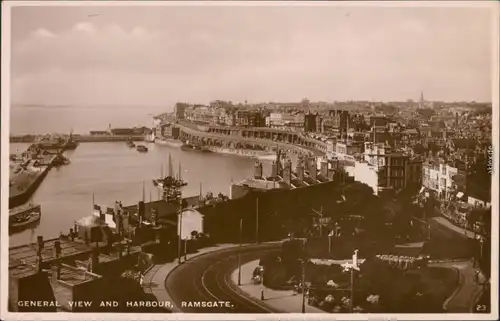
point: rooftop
(22, 270)
(74, 276)
(261, 184)
(26, 254)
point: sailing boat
(160, 182)
(179, 177)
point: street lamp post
(179, 241)
(354, 267)
(481, 241)
(330, 243)
(262, 283)
(185, 249)
(303, 286)
(351, 303)
(239, 253)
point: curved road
(207, 278)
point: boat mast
(161, 172)
(180, 171)
(143, 192)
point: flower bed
(380, 285)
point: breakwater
(80, 138)
(24, 184)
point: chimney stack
(57, 249)
(274, 169)
(86, 237)
(300, 171)
(56, 272)
(287, 172)
(119, 249)
(324, 168)
(141, 213)
(72, 234)
(258, 170)
(313, 168)
(39, 249)
(94, 259)
(56, 269)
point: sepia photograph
(248, 160)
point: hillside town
(441, 149)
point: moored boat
(130, 143)
(24, 216)
(60, 160)
(142, 148)
(170, 180)
(70, 143)
(194, 148)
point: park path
(285, 301)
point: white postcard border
(5, 116)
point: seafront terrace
(267, 137)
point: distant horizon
(236, 103)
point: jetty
(25, 178)
(28, 170)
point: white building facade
(438, 177)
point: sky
(135, 55)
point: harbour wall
(81, 138)
(240, 152)
(202, 135)
(21, 198)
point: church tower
(421, 104)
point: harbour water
(115, 172)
